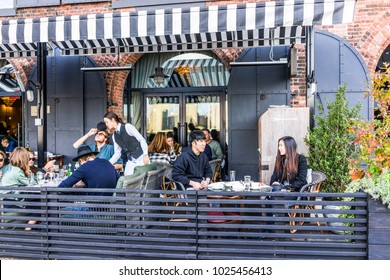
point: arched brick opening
(116, 80)
(376, 39)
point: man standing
(192, 167)
(95, 173)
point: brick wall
(369, 34)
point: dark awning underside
(212, 27)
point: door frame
(183, 92)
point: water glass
(232, 175)
(247, 182)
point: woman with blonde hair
(160, 151)
(19, 170)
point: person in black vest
(126, 137)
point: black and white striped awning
(212, 27)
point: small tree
(330, 142)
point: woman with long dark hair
(126, 137)
(290, 167)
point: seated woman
(33, 169)
(3, 166)
(159, 150)
(176, 147)
(290, 167)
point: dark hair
(206, 129)
(197, 135)
(112, 115)
(170, 134)
(215, 135)
(287, 166)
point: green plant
(378, 186)
(372, 137)
(331, 144)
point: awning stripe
(185, 28)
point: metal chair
(312, 187)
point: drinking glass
(247, 182)
(56, 168)
(232, 175)
(40, 178)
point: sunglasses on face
(1, 159)
(102, 134)
(32, 158)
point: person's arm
(300, 180)
(72, 179)
(117, 152)
(274, 178)
(84, 138)
(131, 130)
(218, 151)
(179, 171)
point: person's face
(282, 148)
(207, 135)
(2, 160)
(170, 141)
(31, 159)
(110, 123)
(100, 137)
(4, 143)
(198, 146)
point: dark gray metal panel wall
(77, 103)
(337, 63)
(251, 90)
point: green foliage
(378, 186)
(372, 138)
(330, 142)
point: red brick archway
(376, 39)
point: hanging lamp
(158, 75)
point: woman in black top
(290, 167)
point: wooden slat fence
(149, 224)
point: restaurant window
(7, 8)
(36, 3)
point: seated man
(192, 167)
(93, 172)
(8, 145)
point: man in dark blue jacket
(94, 173)
(192, 167)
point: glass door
(183, 112)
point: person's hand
(146, 159)
(204, 184)
(49, 166)
(92, 131)
(196, 185)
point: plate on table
(235, 186)
(219, 186)
(260, 187)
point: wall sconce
(30, 91)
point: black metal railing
(142, 224)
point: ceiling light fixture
(158, 75)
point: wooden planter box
(378, 230)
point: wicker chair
(312, 187)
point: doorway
(176, 110)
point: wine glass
(40, 178)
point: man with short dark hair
(214, 145)
(192, 167)
(94, 172)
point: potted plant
(330, 142)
